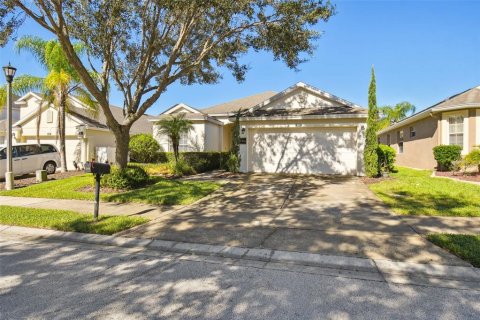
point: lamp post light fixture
(9, 75)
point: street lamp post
(9, 74)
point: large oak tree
(142, 47)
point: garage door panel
(310, 151)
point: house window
(49, 116)
(183, 144)
(413, 133)
(400, 135)
(400, 141)
(455, 130)
(388, 140)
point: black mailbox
(97, 168)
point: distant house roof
(242, 103)
(142, 125)
(466, 99)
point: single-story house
(87, 135)
(299, 130)
(453, 121)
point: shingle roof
(465, 98)
(142, 125)
(242, 103)
(336, 110)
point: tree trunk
(61, 132)
(122, 137)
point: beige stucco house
(455, 120)
(299, 130)
(87, 135)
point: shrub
(180, 168)
(198, 161)
(473, 158)
(154, 169)
(143, 148)
(386, 157)
(446, 155)
(130, 177)
(233, 163)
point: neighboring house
(87, 135)
(453, 121)
(299, 130)
(3, 119)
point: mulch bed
(472, 176)
(29, 179)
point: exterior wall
(444, 138)
(213, 137)
(196, 138)
(417, 151)
(477, 127)
(227, 137)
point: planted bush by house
(386, 158)
(199, 161)
(446, 155)
(143, 148)
(130, 177)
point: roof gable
(180, 108)
(302, 95)
(304, 100)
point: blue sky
(423, 52)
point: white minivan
(29, 157)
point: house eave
(306, 117)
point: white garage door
(311, 150)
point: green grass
(465, 246)
(167, 192)
(66, 220)
(162, 191)
(415, 192)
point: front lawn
(161, 191)
(415, 192)
(63, 220)
(465, 246)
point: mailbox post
(98, 169)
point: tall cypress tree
(371, 142)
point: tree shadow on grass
(408, 203)
(167, 192)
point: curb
(385, 267)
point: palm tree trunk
(61, 131)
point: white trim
(445, 139)
(306, 117)
(202, 117)
(179, 106)
(301, 125)
(309, 88)
(31, 93)
(477, 128)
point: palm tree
(174, 127)
(396, 113)
(57, 87)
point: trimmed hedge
(143, 148)
(446, 155)
(199, 161)
(386, 157)
(130, 177)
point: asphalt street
(65, 280)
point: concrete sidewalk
(85, 206)
(459, 277)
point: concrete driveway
(318, 214)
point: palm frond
(35, 45)
(25, 83)
(87, 99)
